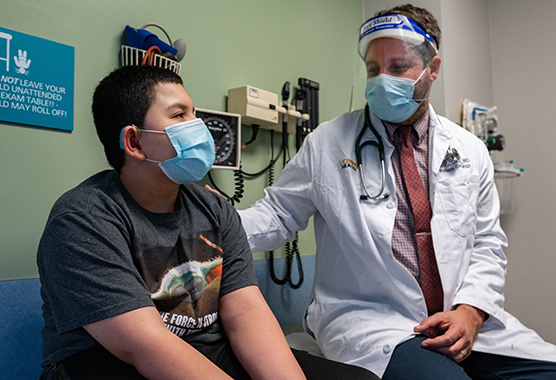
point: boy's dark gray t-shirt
(102, 255)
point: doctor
(410, 267)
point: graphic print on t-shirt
(187, 294)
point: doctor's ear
(434, 67)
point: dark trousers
(99, 364)
(412, 362)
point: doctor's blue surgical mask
(194, 146)
(391, 98)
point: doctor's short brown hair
(426, 21)
(421, 16)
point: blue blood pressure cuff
(394, 26)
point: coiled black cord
(292, 250)
(271, 173)
(239, 187)
(279, 281)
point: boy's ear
(130, 142)
(134, 142)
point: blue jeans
(412, 362)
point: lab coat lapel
(440, 139)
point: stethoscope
(452, 156)
(380, 146)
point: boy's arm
(140, 338)
(256, 336)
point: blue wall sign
(36, 81)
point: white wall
(524, 86)
(466, 55)
(498, 52)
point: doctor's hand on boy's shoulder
(211, 189)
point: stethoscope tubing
(380, 146)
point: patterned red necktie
(422, 213)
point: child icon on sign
(22, 62)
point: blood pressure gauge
(225, 129)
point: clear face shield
(394, 26)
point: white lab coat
(364, 302)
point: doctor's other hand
(452, 332)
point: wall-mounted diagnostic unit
(262, 108)
(255, 105)
(225, 128)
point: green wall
(231, 43)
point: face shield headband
(394, 26)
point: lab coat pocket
(457, 198)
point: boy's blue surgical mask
(194, 146)
(391, 98)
